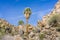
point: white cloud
(40, 14)
(14, 18)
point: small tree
(21, 22)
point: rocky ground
(44, 34)
(43, 30)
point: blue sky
(12, 10)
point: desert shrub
(58, 29)
(21, 22)
(41, 36)
(2, 32)
(8, 30)
(54, 20)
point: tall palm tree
(27, 13)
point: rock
(8, 37)
(17, 37)
(31, 35)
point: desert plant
(2, 32)
(54, 20)
(41, 36)
(21, 22)
(27, 13)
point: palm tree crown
(27, 12)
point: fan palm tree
(27, 13)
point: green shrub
(2, 32)
(21, 22)
(54, 20)
(41, 36)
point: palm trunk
(26, 21)
(27, 26)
